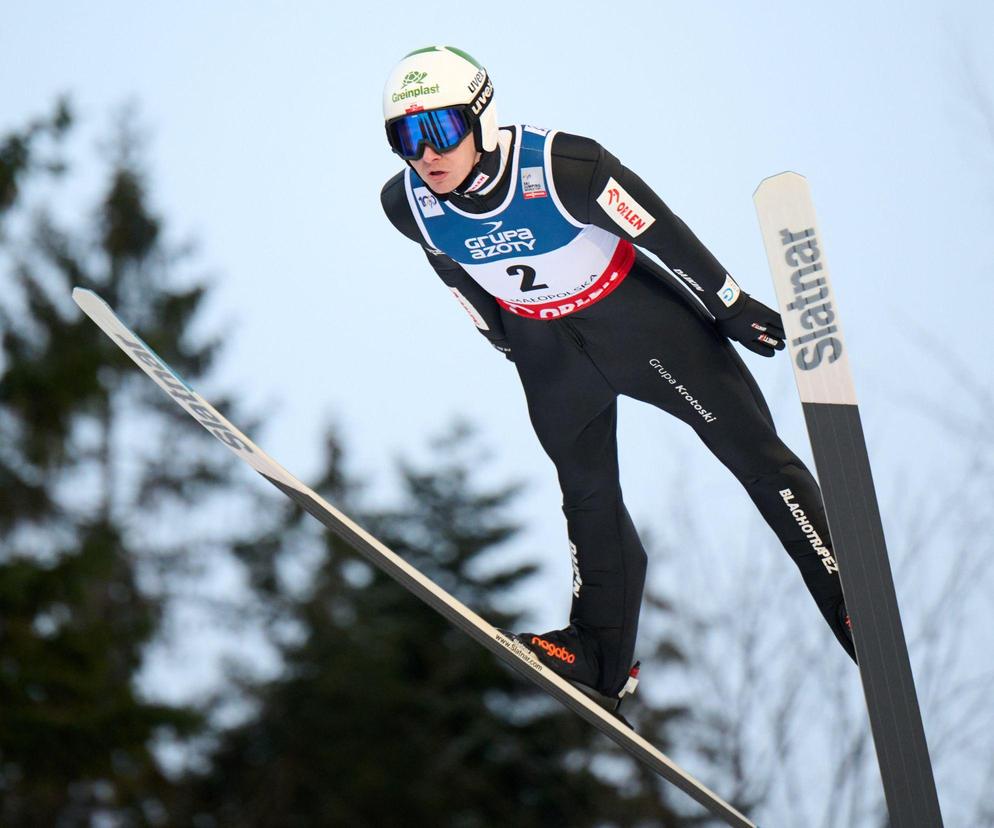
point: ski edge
(515, 655)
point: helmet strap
(478, 135)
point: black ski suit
(645, 338)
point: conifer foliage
(81, 490)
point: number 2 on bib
(527, 275)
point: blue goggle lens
(441, 129)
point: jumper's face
(444, 171)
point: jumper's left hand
(754, 325)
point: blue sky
(266, 146)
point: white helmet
(440, 77)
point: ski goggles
(440, 129)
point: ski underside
(505, 648)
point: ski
(821, 369)
(509, 651)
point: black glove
(502, 346)
(754, 325)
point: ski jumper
(544, 262)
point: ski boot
(572, 658)
(612, 704)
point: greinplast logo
(414, 80)
(413, 77)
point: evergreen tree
(387, 715)
(83, 450)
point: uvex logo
(483, 98)
(554, 650)
(474, 84)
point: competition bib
(529, 253)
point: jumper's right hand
(754, 325)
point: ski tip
(86, 299)
(783, 176)
(81, 294)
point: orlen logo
(553, 650)
(624, 210)
(500, 242)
